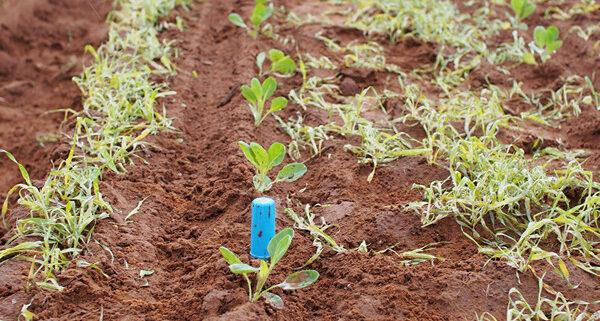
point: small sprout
(546, 42)
(257, 95)
(260, 14)
(277, 247)
(522, 8)
(281, 63)
(264, 160)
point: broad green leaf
(248, 153)
(278, 104)
(279, 244)
(276, 55)
(553, 46)
(273, 300)
(539, 36)
(291, 172)
(552, 34)
(249, 95)
(229, 256)
(260, 14)
(528, 9)
(263, 272)
(269, 86)
(242, 268)
(237, 20)
(284, 66)
(257, 89)
(299, 280)
(522, 8)
(276, 154)
(262, 183)
(261, 157)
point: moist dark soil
(197, 185)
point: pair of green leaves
(258, 94)
(280, 62)
(277, 248)
(522, 8)
(264, 160)
(547, 38)
(261, 12)
(546, 42)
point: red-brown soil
(197, 187)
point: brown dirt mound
(198, 191)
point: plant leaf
(527, 10)
(276, 55)
(249, 95)
(278, 104)
(261, 157)
(237, 20)
(299, 280)
(257, 89)
(291, 172)
(276, 154)
(263, 272)
(539, 36)
(273, 300)
(269, 86)
(552, 34)
(242, 268)
(229, 256)
(262, 183)
(285, 66)
(248, 153)
(279, 244)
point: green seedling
(261, 12)
(277, 247)
(258, 94)
(264, 160)
(546, 42)
(522, 8)
(281, 63)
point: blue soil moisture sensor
(263, 227)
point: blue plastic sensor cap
(262, 229)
